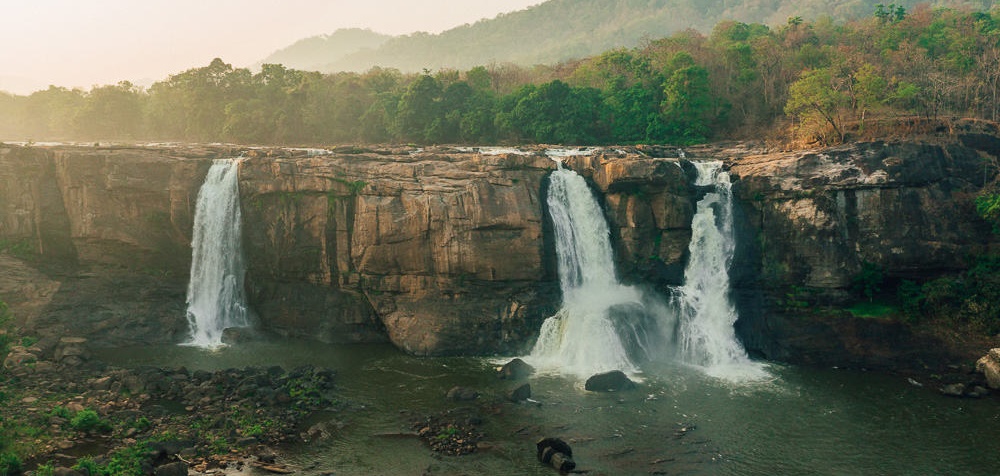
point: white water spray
(706, 314)
(215, 296)
(581, 338)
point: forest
(818, 81)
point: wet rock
(462, 394)
(977, 391)
(516, 369)
(612, 381)
(239, 335)
(989, 366)
(178, 468)
(520, 393)
(953, 390)
(556, 453)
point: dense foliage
(811, 81)
(561, 30)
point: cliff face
(123, 215)
(447, 251)
(812, 221)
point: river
(679, 421)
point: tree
(816, 100)
(687, 103)
(112, 112)
(419, 116)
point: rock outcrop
(811, 221)
(446, 251)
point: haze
(80, 43)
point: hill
(315, 52)
(559, 30)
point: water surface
(680, 421)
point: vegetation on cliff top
(806, 81)
(561, 30)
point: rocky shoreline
(73, 415)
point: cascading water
(602, 323)
(705, 313)
(582, 338)
(215, 296)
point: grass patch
(873, 310)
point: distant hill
(315, 52)
(559, 30)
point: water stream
(605, 325)
(215, 297)
(582, 339)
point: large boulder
(989, 366)
(612, 381)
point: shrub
(88, 421)
(10, 464)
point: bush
(88, 421)
(10, 464)
(87, 466)
(868, 281)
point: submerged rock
(520, 393)
(462, 394)
(516, 369)
(612, 381)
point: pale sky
(80, 43)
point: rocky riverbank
(69, 413)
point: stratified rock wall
(446, 252)
(810, 221)
(112, 227)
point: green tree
(419, 116)
(816, 100)
(687, 103)
(112, 112)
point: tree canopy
(804, 80)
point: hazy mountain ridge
(559, 30)
(315, 52)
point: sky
(82, 43)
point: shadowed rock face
(809, 222)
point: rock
(462, 394)
(954, 390)
(989, 365)
(178, 468)
(612, 381)
(556, 453)
(239, 335)
(62, 471)
(520, 393)
(977, 391)
(19, 360)
(516, 369)
(71, 351)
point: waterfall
(582, 338)
(604, 325)
(705, 313)
(215, 296)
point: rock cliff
(812, 221)
(448, 251)
(445, 252)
